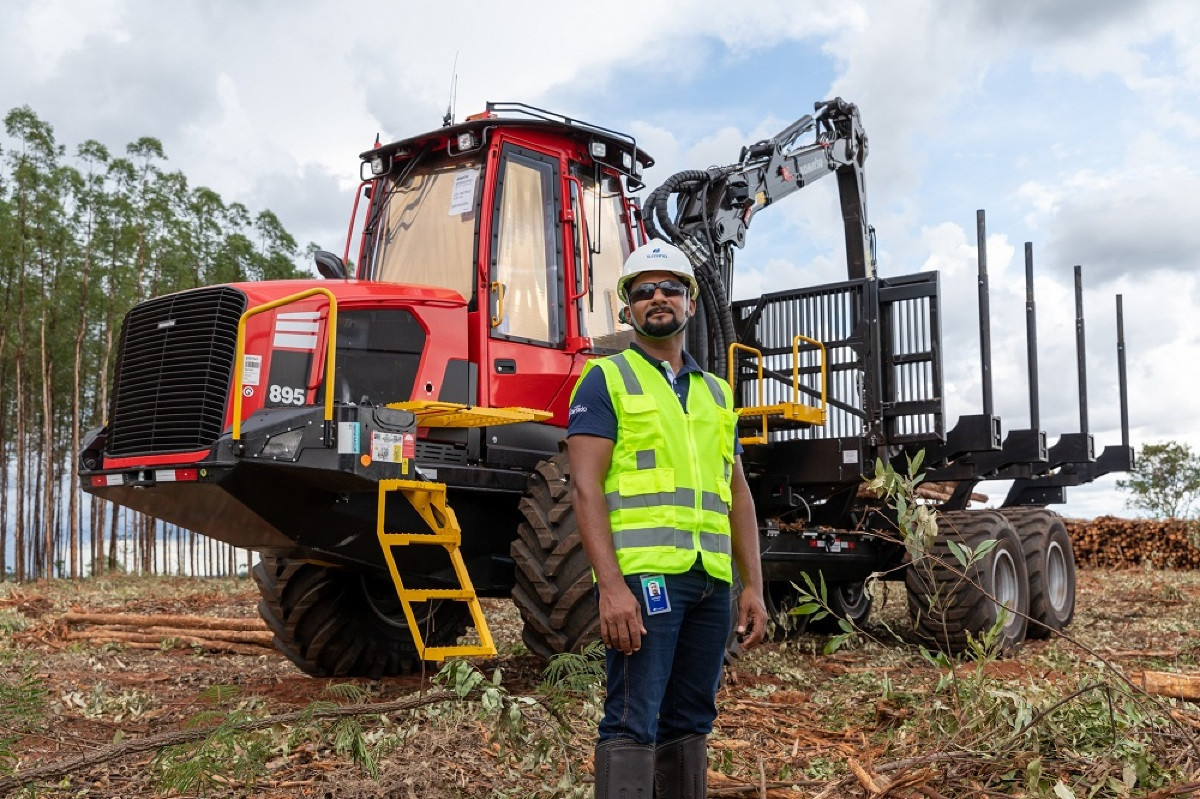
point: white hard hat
(657, 256)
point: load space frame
(884, 394)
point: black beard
(662, 329)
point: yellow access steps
(793, 411)
(429, 500)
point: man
(664, 513)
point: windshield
(427, 227)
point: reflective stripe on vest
(682, 497)
(671, 537)
(667, 490)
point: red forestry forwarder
(389, 441)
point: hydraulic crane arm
(713, 208)
(718, 203)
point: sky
(1075, 124)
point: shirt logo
(577, 409)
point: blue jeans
(668, 688)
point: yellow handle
(330, 352)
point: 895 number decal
(285, 395)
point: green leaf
(1062, 791)
(984, 548)
(960, 552)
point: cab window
(606, 250)
(526, 287)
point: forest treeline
(86, 233)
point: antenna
(448, 119)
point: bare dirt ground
(876, 718)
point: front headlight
(284, 445)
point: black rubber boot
(624, 769)
(681, 768)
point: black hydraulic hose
(705, 261)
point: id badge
(654, 589)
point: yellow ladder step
(404, 539)
(426, 594)
(429, 500)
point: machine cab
(526, 215)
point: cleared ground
(875, 718)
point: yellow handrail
(735, 346)
(796, 369)
(330, 352)
(793, 413)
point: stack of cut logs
(158, 631)
(1109, 542)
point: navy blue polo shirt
(592, 412)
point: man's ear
(623, 315)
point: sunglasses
(645, 291)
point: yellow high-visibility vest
(668, 487)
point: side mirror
(329, 265)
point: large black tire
(948, 610)
(554, 589)
(1050, 561)
(849, 601)
(334, 622)
(780, 596)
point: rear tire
(1050, 562)
(780, 597)
(961, 610)
(554, 588)
(334, 622)
(849, 601)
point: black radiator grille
(173, 372)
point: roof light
(466, 141)
(481, 115)
(599, 149)
(627, 160)
(378, 166)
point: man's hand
(621, 619)
(752, 619)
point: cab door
(527, 361)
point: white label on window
(850, 456)
(251, 369)
(462, 196)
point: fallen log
(1169, 684)
(261, 637)
(163, 620)
(157, 641)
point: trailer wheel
(553, 588)
(849, 601)
(1050, 561)
(334, 622)
(947, 609)
(780, 597)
